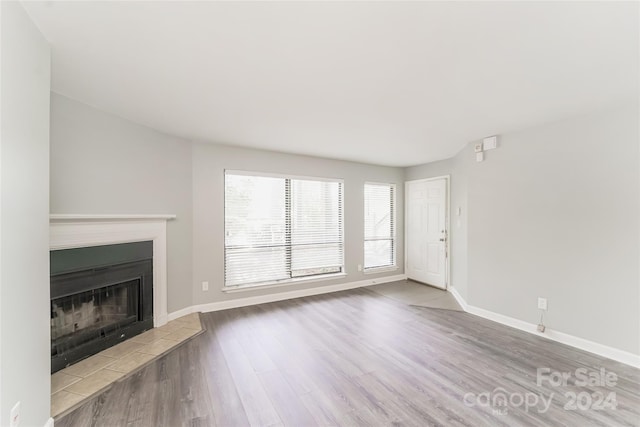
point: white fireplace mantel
(68, 231)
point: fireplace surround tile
(122, 349)
(150, 336)
(89, 365)
(63, 400)
(94, 382)
(181, 334)
(87, 378)
(190, 325)
(158, 347)
(131, 362)
(60, 380)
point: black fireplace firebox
(100, 296)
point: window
(379, 226)
(281, 229)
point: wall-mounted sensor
(479, 156)
(489, 143)
(478, 148)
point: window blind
(278, 229)
(379, 226)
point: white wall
(104, 164)
(554, 212)
(209, 163)
(24, 218)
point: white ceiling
(391, 83)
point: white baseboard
(561, 337)
(458, 297)
(160, 320)
(182, 312)
(577, 342)
(281, 296)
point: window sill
(269, 285)
(380, 269)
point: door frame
(447, 216)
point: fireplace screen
(86, 316)
(100, 296)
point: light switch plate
(479, 156)
(542, 303)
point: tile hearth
(72, 385)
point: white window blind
(379, 226)
(278, 229)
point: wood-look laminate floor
(414, 293)
(359, 358)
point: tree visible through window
(379, 226)
(278, 229)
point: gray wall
(104, 164)
(209, 163)
(554, 212)
(429, 170)
(459, 222)
(24, 218)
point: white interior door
(426, 231)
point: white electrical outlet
(14, 420)
(205, 286)
(542, 303)
(359, 267)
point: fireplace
(100, 296)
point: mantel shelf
(109, 217)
